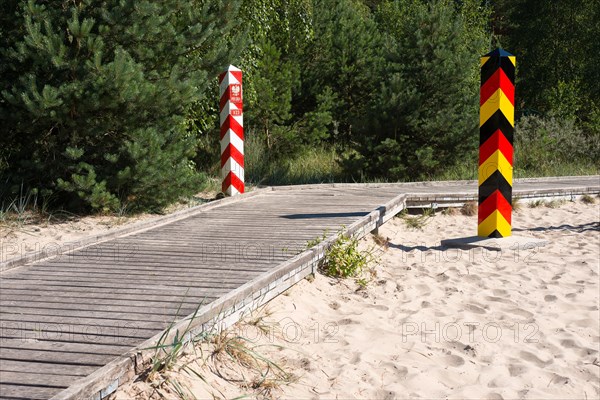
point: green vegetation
(417, 222)
(343, 259)
(113, 106)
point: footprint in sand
(306, 364)
(475, 309)
(527, 356)
(347, 321)
(379, 307)
(520, 312)
(355, 358)
(499, 292)
(586, 323)
(400, 371)
(385, 395)
(454, 360)
(568, 344)
(516, 369)
(550, 297)
(556, 379)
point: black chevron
(491, 65)
(495, 234)
(494, 182)
(495, 122)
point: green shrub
(545, 146)
(343, 259)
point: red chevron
(237, 75)
(232, 180)
(497, 80)
(496, 142)
(222, 76)
(494, 202)
(224, 99)
(233, 152)
(231, 123)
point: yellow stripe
(497, 101)
(496, 162)
(495, 221)
(513, 60)
(483, 61)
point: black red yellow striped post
(496, 126)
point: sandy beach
(431, 323)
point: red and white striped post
(232, 131)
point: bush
(343, 259)
(94, 97)
(546, 145)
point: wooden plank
(13, 391)
(165, 309)
(47, 368)
(146, 303)
(41, 322)
(111, 315)
(49, 351)
(54, 357)
(102, 298)
(234, 262)
(169, 292)
(143, 270)
(90, 338)
(197, 279)
(34, 283)
(32, 378)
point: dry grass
(469, 208)
(555, 203)
(381, 241)
(516, 204)
(587, 199)
(536, 203)
(217, 356)
(450, 211)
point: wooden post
(496, 126)
(232, 131)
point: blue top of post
(498, 53)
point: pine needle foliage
(93, 96)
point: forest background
(112, 105)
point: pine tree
(341, 64)
(94, 95)
(425, 118)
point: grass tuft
(587, 199)
(417, 222)
(537, 203)
(469, 208)
(555, 203)
(516, 204)
(450, 211)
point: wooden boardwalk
(64, 318)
